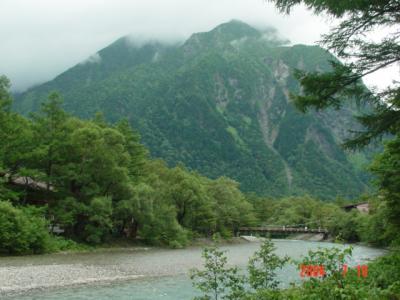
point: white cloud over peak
(42, 38)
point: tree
(91, 176)
(138, 153)
(5, 98)
(263, 265)
(16, 143)
(5, 105)
(387, 169)
(360, 56)
(195, 208)
(49, 135)
(217, 281)
(99, 224)
(232, 208)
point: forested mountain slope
(220, 104)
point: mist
(42, 38)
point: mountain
(220, 104)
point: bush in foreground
(219, 282)
(23, 230)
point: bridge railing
(282, 229)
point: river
(134, 274)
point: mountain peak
(219, 103)
(235, 29)
(222, 35)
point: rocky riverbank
(20, 275)
(25, 278)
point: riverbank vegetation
(360, 56)
(93, 182)
(335, 279)
(349, 226)
(96, 182)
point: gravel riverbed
(23, 274)
(20, 275)
(22, 279)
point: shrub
(59, 243)
(263, 265)
(217, 281)
(23, 231)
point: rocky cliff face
(219, 103)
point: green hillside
(220, 104)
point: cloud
(92, 59)
(42, 38)
(271, 34)
(239, 42)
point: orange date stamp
(319, 270)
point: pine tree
(359, 57)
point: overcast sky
(42, 38)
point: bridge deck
(281, 229)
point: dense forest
(96, 181)
(220, 104)
(350, 41)
(172, 145)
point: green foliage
(382, 281)
(297, 211)
(343, 83)
(332, 259)
(96, 177)
(350, 226)
(23, 230)
(233, 210)
(387, 169)
(218, 103)
(375, 227)
(263, 265)
(217, 281)
(384, 273)
(97, 183)
(99, 223)
(4, 94)
(344, 226)
(162, 228)
(59, 243)
(364, 56)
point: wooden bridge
(280, 230)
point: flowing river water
(135, 273)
